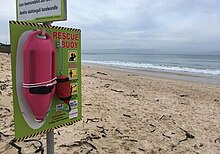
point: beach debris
(3, 86)
(166, 136)
(2, 134)
(124, 136)
(118, 91)
(183, 95)
(70, 146)
(88, 104)
(93, 136)
(93, 146)
(172, 146)
(12, 124)
(132, 75)
(188, 135)
(117, 130)
(141, 149)
(132, 140)
(161, 117)
(92, 120)
(103, 130)
(79, 143)
(153, 130)
(89, 151)
(217, 140)
(106, 85)
(216, 100)
(173, 121)
(132, 95)
(166, 117)
(152, 125)
(38, 148)
(92, 75)
(12, 143)
(126, 115)
(9, 94)
(198, 146)
(7, 109)
(102, 73)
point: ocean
(193, 63)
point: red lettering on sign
(63, 36)
(54, 35)
(59, 35)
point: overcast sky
(177, 25)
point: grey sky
(177, 25)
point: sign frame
(22, 128)
(61, 17)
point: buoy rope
(41, 84)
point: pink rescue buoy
(39, 55)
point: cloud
(7, 10)
(7, 13)
(163, 25)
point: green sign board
(41, 10)
(66, 43)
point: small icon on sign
(72, 56)
(74, 88)
(72, 73)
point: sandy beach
(127, 112)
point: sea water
(193, 63)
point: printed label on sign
(73, 113)
(59, 107)
(73, 104)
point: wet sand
(127, 112)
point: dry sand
(125, 112)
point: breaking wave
(132, 65)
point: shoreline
(179, 76)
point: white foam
(151, 66)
